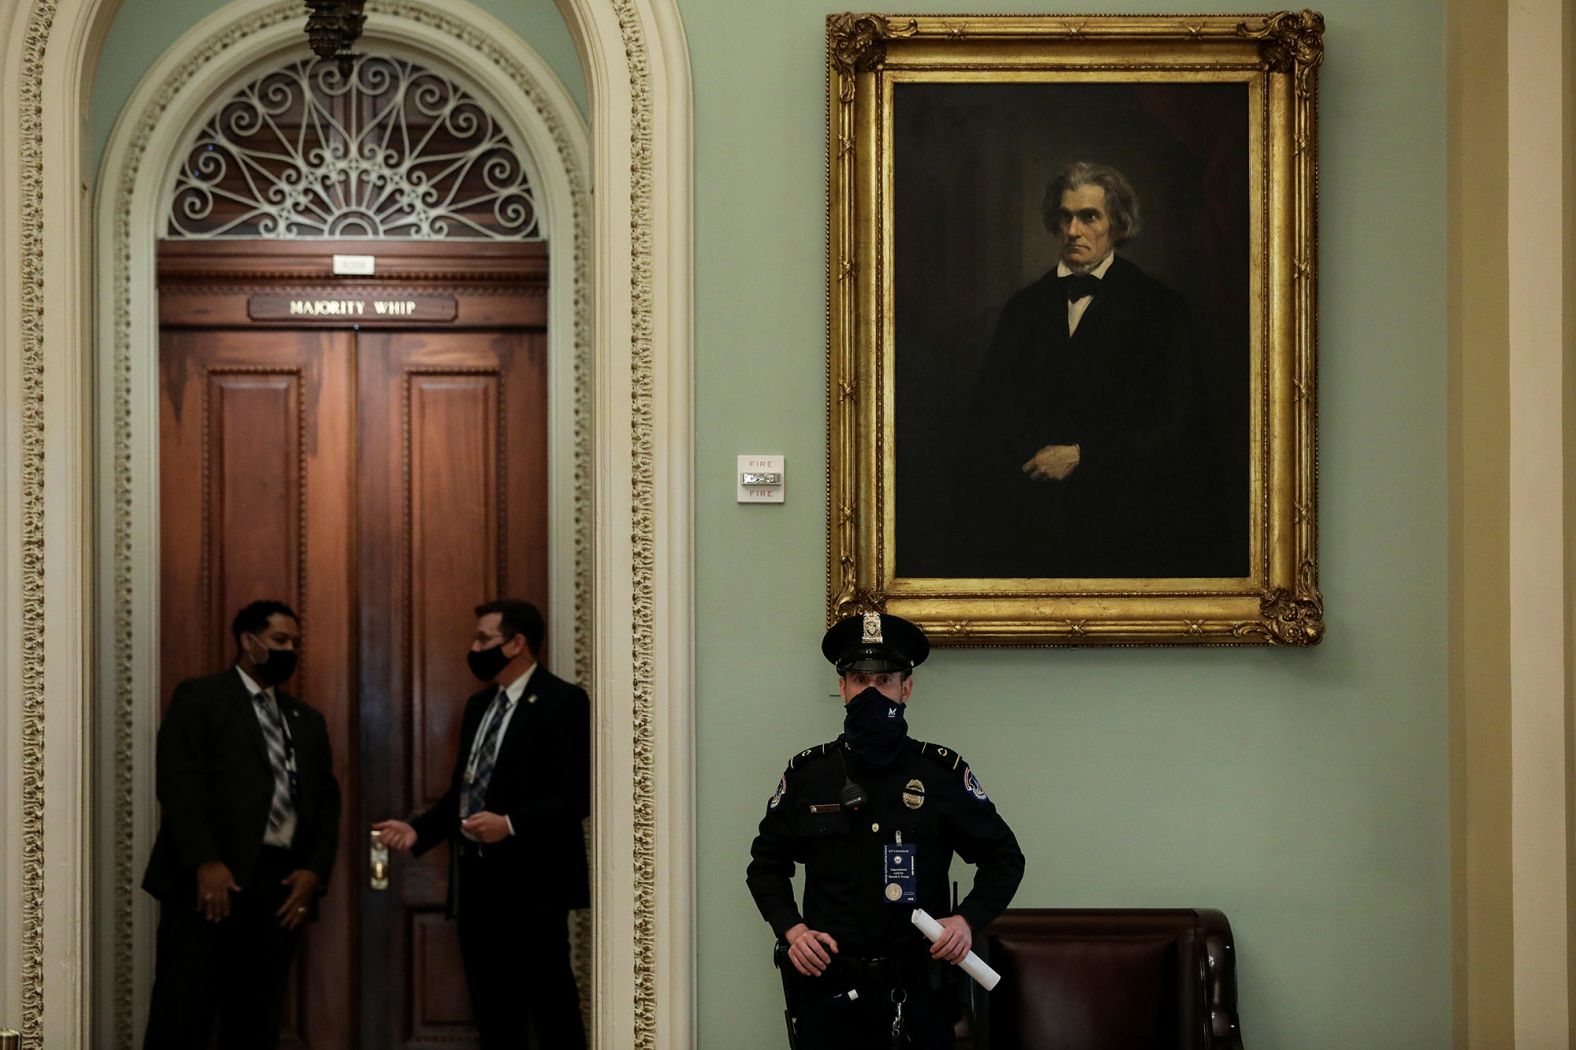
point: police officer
(875, 817)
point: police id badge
(901, 883)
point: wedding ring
(301, 909)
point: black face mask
(276, 666)
(486, 663)
(874, 727)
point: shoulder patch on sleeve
(971, 784)
(782, 789)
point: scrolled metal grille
(376, 148)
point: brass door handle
(380, 865)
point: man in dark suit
(1088, 450)
(250, 827)
(512, 819)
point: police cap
(874, 641)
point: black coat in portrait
(1143, 500)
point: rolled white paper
(972, 964)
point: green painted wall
(1304, 793)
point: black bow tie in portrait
(1078, 285)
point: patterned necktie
(473, 794)
(280, 756)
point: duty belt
(887, 979)
(871, 970)
(885, 971)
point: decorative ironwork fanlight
(353, 147)
(334, 26)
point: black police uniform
(930, 798)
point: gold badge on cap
(872, 629)
(914, 794)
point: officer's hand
(805, 950)
(214, 886)
(1053, 463)
(955, 941)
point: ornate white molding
(31, 322)
(642, 539)
(644, 613)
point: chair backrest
(1091, 979)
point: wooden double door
(383, 469)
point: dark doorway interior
(372, 450)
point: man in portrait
(512, 819)
(249, 829)
(1087, 450)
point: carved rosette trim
(1286, 617)
(857, 44)
(31, 112)
(124, 509)
(1290, 42)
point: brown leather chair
(1122, 979)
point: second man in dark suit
(512, 818)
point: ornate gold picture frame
(1071, 327)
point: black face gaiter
(874, 727)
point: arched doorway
(353, 389)
(86, 430)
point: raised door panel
(452, 552)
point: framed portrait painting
(1071, 274)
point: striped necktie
(473, 794)
(281, 812)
